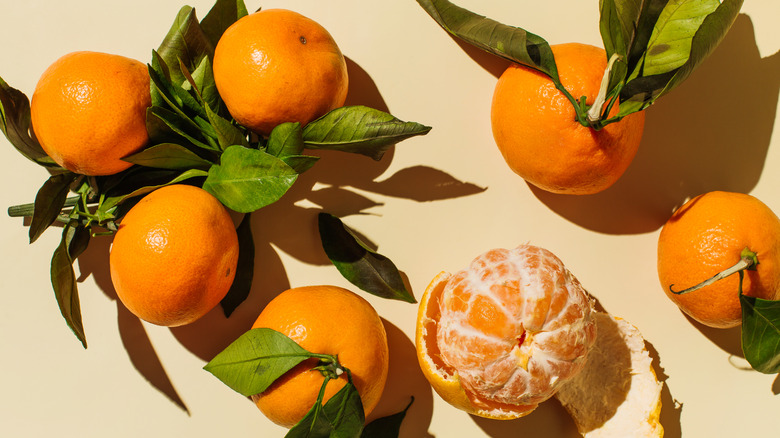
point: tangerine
(708, 235)
(325, 320)
(174, 256)
(276, 66)
(501, 336)
(89, 111)
(536, 130)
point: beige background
(433, 204)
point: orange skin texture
(174, 256)
(89, 111)
(500, 337)
(278, 66)
(325, 320)
(705, 236)
(535, 126)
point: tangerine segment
(501, 336)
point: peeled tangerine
(510, 331)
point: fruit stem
(748, 260)
(26, 210)
(594, 114)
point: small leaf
(185, 41)
(249, 179)
(203, 76)
(242, 283)
(255, 360)
(285, 139)
(179, 125)
(761, 333)
(366, 269)
(223, 14)
(63, 279)
(16, 126)
(168, 156)
(386, 427)
(340, 417)
(359, 129)
(49, 202)
(228, 134)
(511, 43)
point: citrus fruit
(276, 66)
(324, 320)
(617, 393)
(536, 129)
(501, 336)
(707, 235)
(174, 256)
(89, 111)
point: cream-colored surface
(431, 205)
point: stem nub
(748, 260)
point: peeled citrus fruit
(617, 393)
(325, 320)
(501, 336)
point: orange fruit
(276, 66)
(707, 235)
(174, 256)
(89, 111)
(501, 336)
(324, 320)
(535, 126)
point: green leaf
(670, 43)
(386, 427)
(16, 126)
(255, 360)
(185, 41)
(168, 156)
(74, 240)
(175, 97)
(761, 333)
(228, 134)
(249, 179)
(286, 139)
(223, 14)
(49, 202)
(242, 283)
(511, 43)
(341, 417)
(177, 124)
(203, 76)
(117, 198)
(366, 269)
(300, 163)
(359, 129)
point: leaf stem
(748, 260)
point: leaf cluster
(260, 356)
(655, 45)
(193, 140)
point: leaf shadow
(405, 380)
(710, 133)
(94, 262)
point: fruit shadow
(710, 133)
(288, 226)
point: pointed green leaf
(115, 199)
(168, 156)
(15, 125)
(242, 283)
(49, 202)
(511, 43)
(185, 41)
(359, 129)
(249, 179)
(340, 417)
(761, 333)
(203, 76)
(366, 269)
(386, 427)
(63, 278)
(285, 139)
(227, 133)
(176, 124)
(223, 14)
(255, 360)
